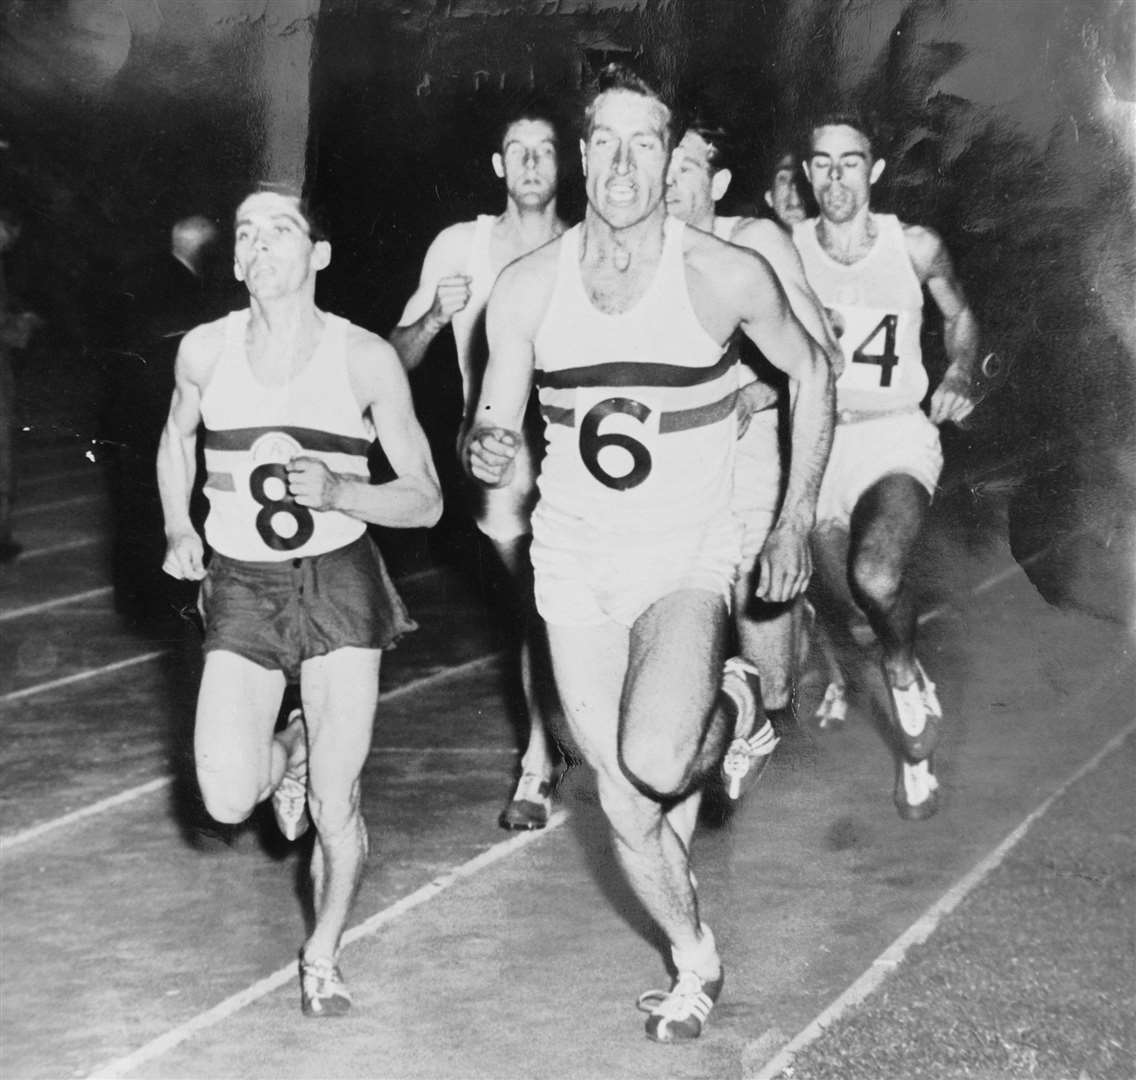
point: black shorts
(279, 614)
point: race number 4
(887, 359)
(282, 523)
(592, 444)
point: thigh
(589, 664)
(887, 521)
(340, 692)
(237, 705)
(674, 671)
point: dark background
(1011, 131)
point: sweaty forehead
(529, 132)
(627, 109)
(694, 148)
(838, 139)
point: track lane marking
(52, 549)
(58, 504)
(59, 601)
(282, 977)
(920, 930)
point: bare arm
(177, 463)
(785, 562)
(414, 498)
(516, 308)
(953, 399)
(443, 290)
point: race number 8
(592, 442)
(267, 521)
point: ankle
(701, 958)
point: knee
(655, 767)
(334, 809)
(227, 801)
(631, 814)
(879, 581)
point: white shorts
(609, 577)
(757, 481)
(505, 514)
(865, 451)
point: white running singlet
(638, 408)
(469, 323)
(876, 306)
(252, 431)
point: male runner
(869, 270)
(457, 275)
(783, 196)
(698, 178)
(624, 322)
(290, 398)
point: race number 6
(274, 477)
(592, 442)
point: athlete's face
(841, 171)
(784, 194)
(274, 254)
(528, 163)
(625, 157)
(690, 181)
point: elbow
(432, 509)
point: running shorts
(279, 614)
(865, 451)
(610, 577)
(757, 481)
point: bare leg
(340, 693)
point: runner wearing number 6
(624, 322)
(289, 399)
(869, 271)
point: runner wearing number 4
(624, 322)
(290, 398)
(869, 271)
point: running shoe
(916, 790)
(290, 799)
(531, 804)
(750, 751)
(833, 710)
(682, 1011)
(917, 715)
(322, 989)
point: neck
(847, 235)
(283, 317)
(637, 244)
(532, 227)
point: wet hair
(534, 108)
(617, 76)
(311, 213)
(859, 121)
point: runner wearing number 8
(869, 271)
(289, 398)
(623, 323)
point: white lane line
(470, 667)
(52, 549)
(129, 795)
(59, 601)
(59, 504)
(80, 676)
(925, 925)
(231, 1005)
(92, 469)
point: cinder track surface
(134, 944)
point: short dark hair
(619, 76)
(774, 162)
(863, 122)
(535, 108)
(715, 135)
(312, 214)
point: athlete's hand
(490, 454)
(185, 556)
(450, 297)
(953, 398)
(785, 563)
(311, 483)
(752, 398)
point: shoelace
(685, 999)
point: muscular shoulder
(523, 289)
(765, 237)
(729, 269)
(200, 350)
(371, 362)
(926, 250)
(449, 250)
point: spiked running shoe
(833, 710)
(530, 805)
(322, 989)
(681, 1012)
(750, 751)
(290, 799)
(917, 715)
(916, 790)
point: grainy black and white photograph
(568, 539)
